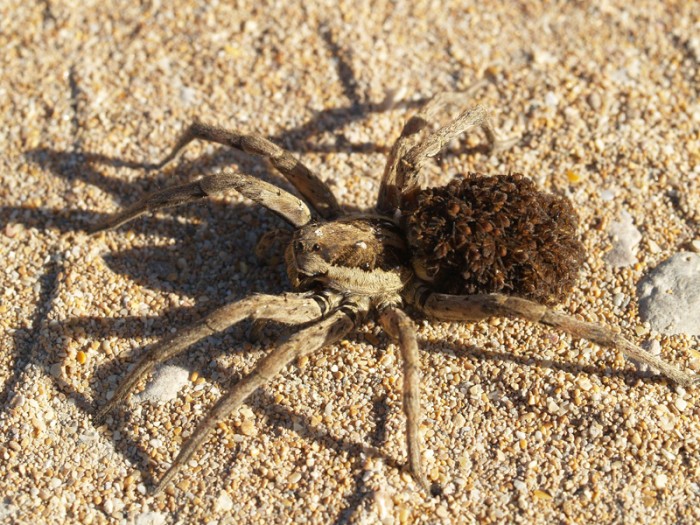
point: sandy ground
(521, 424)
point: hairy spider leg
(444, 307)
(290, 308)
(408, 170)
(284, 204)
(402, 329)
(302, 178)
(406, 157)
(302, 343)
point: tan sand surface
(521, 424)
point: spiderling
(495, 234)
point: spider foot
(102, 413)
(158, 487)
(503, 144)
(432, 489)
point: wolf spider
(346, 268)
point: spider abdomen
(494, 234)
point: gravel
(521, 424)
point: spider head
(339, 253)
(307, 256)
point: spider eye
(316, 248)
(299, 246)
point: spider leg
(445, 307)
(401, 328)
(303, 179)
(304, 342)
(409, 165)
(287, 308)
(389, 191)
(400, 173)
(286, 205)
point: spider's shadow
(629, 376)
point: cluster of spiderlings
(494, 234)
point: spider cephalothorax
(360, 255)
(475, 236)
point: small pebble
(624, 237)
(248, 428)
(224, 503)
(551, 99)
(294, 477)
(165, 385)
(594, 101)
(660, 481)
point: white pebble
(584, 383)
(595, 430)
(150, 518)
(669, 296)
(625, 237)
(551, 100)
(166, 383)
(224, 503)
(660, 481)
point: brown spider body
(349, 255)
(447, 252)
(476, 235)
